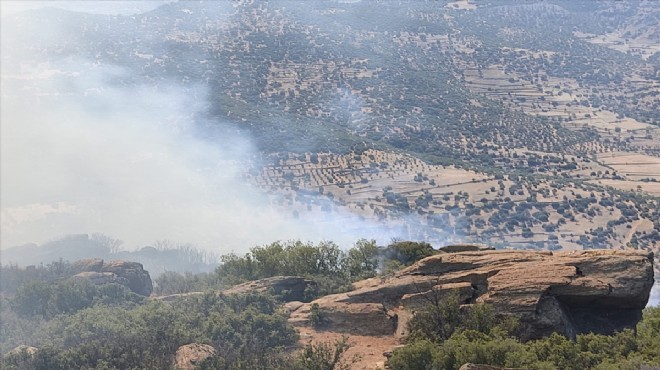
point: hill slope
(551, 125)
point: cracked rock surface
(574, 292)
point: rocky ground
(567, 292)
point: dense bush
(445, 336)
(321, 356)
(331, 267)
(171, 282)
(38, 298)
(443, 316)
(13, 276)
(408, 252)
(147, 336)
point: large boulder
(130, 274)
(567, 292)
(598, 291)
(190, 356)
(138, 278)
(177, 296)
(289, 288)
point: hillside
(157, 259)
(488, 173)
(533, 125)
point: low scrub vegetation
(332, 268)
(445, 336)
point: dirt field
(652, 188)
(644, 45)
(633, 166)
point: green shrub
(316, 318)
(324, 356)
(489, 341)
(408, 252)
(38, 298)
(417, 355)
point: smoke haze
(89, 156)
(98, 7)
(83, 152)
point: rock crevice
(566, 292)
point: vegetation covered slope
(551, 103)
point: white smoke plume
(81, 155)
(84, 152)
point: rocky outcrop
(190, 356)
(290, 288)
(22, 350)
(129, 274)
(567, 292)
(138, 279)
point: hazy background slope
(201, 122)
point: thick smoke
(86, 150)
(81, 154)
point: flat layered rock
(598, 291)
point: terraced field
(457, 204)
